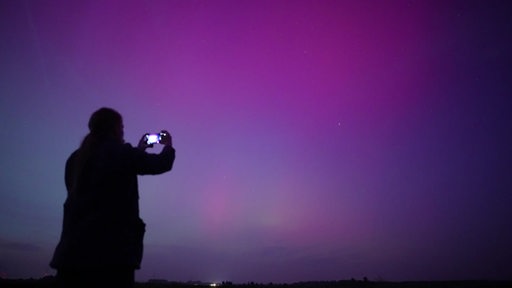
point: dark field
(50, 283)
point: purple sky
(316, 140)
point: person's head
(106, 124)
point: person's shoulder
(74, 154)
(127, 148)
(113, 146)
(126, 145)
(72, 157)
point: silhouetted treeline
(49, 282)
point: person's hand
(166, 138)
(143, 145)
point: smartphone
(153, 138)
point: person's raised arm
(148, 163)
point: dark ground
(49, 282)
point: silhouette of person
(101, 243)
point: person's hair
(104, 122)
(103, 126)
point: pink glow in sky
(316, 140)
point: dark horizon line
(352, 282)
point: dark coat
(101, 226)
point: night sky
(316, 140)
